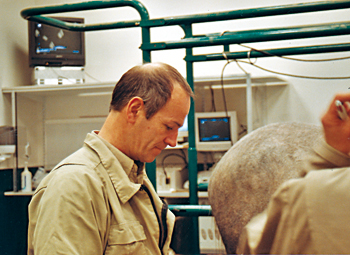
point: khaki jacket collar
(117, 165)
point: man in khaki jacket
(99, 200)
(310, 215)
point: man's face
(154, 134)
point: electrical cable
(294, 75)
(92, 77)
(172, 154)
(222, 84)
(60, 76)
(213, 107)
(289, 58)
(70, 80)
(184, 156)
(244, 129)
(279, 73)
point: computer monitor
(53, 46)
(215, 131)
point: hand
(337, 131)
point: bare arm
(337, 131)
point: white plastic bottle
(26, 178)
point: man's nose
(171, 139)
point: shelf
(80, 120)
(94, 89)
(55, 90)
(18, 193)
(178, 146)
(232, 82)
(180, 194)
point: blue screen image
(214, 129)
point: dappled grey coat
(248, 174)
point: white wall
(111, 53)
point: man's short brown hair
(153, 82)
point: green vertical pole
(192, 152)
(151, 168)
(226, 48)
(146, 38)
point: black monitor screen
(214, 129)
(53, 46)
(53, 40)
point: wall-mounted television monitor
(215, 131)
(53, 46)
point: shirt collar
(127, 182)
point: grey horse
(244, 179)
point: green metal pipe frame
(190, 41)
(35, 14)
(192, 151)
(271, 34)
(32, 13)
(191, 210)
(270, 52)
(202, 186)
(248, 13)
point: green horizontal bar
(202, 186)
(34, 14)
(249, 13)
(271, 52)
(83, 27)
(260, 35)
(191, 210)
(84, 6)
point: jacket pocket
(126, 238)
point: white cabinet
(55, 119)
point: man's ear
(134, 108)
